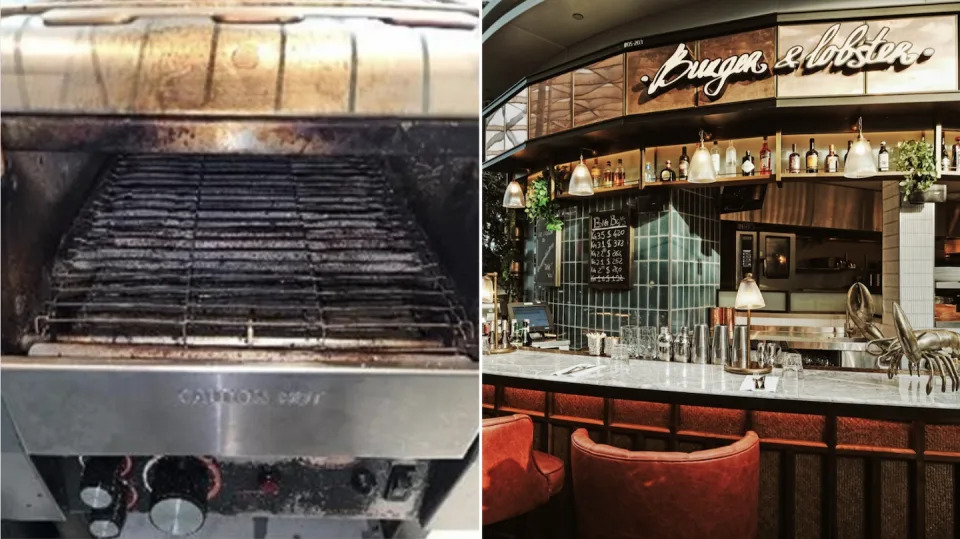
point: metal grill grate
(255, 252)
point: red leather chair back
(652, 495)
(512, 483)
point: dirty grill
(251, 252)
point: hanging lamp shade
(581, 183)
(513, 196)
(860, 161)
(748, 294)
(701, 165)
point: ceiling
(522, 36)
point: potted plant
(539, 203)
(915, 158)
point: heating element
(265, 252)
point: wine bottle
(715, 157)
(832, 162)
(765, 158)
(667, 174)
(608, 175)
(595, 172)
(793, 162)
(883, 158)
(683, 164)
(847, 153)
(619, 177)
(731, 161)
(945, 160)
(813, 159)
(747, 166)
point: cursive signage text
(857, 52)
(713, 74)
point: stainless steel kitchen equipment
(740, 356)
(700, 344)
(234, 259)
(720, 349)
(770, 256)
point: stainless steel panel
(64, 406)
(23, 494)
(764, 260)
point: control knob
(107, 522)
(179, 488)
(100, 483)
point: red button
(269, 486)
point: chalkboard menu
(610, 249)
(548, 256)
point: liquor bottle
(648, 174)
(595, 172)
(956, 155)
(847, 153)
(832, 162)
(619, 177)
(747, 166)
(683, 164)
(715, 156)
(731, 162)
(608, 175)
(765, 158)
(812, 159)
(793, 162)
(883, 158)
(945, 160)
(667, 174)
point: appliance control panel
(178, 492)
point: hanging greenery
(539, 203)
(915, 158)
(500, 248)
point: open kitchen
(737, 228)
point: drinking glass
(628, 336)
(620, 356)
(650, 336)
(595, 343)
(792, 362)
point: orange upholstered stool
(659, 495)
(516, 479)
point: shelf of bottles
(614, 173)
(762, 159)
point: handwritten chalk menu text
(610, 236)
(547, 272)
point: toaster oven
(238, 281)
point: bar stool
(516, 479)
(652, 495)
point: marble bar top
(819, 391)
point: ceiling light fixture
(581, 182)
(701, 166)
(513, 196)
(860, 162)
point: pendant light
(581, 182)
(701, 165)
(513, 196)
(860, 162)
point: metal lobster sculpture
(939, 348)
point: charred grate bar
(252, 252)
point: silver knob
(176, 516)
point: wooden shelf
(721, 181)
(601, 191)
(837, 175)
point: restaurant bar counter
(843, 454)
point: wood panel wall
(820, 475)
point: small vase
(936, 193)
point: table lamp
(749, 297)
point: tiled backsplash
(674, 276)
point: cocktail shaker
(681, 346)
(664, 344)
(720, 351)
(700, 349)
(741, 348)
